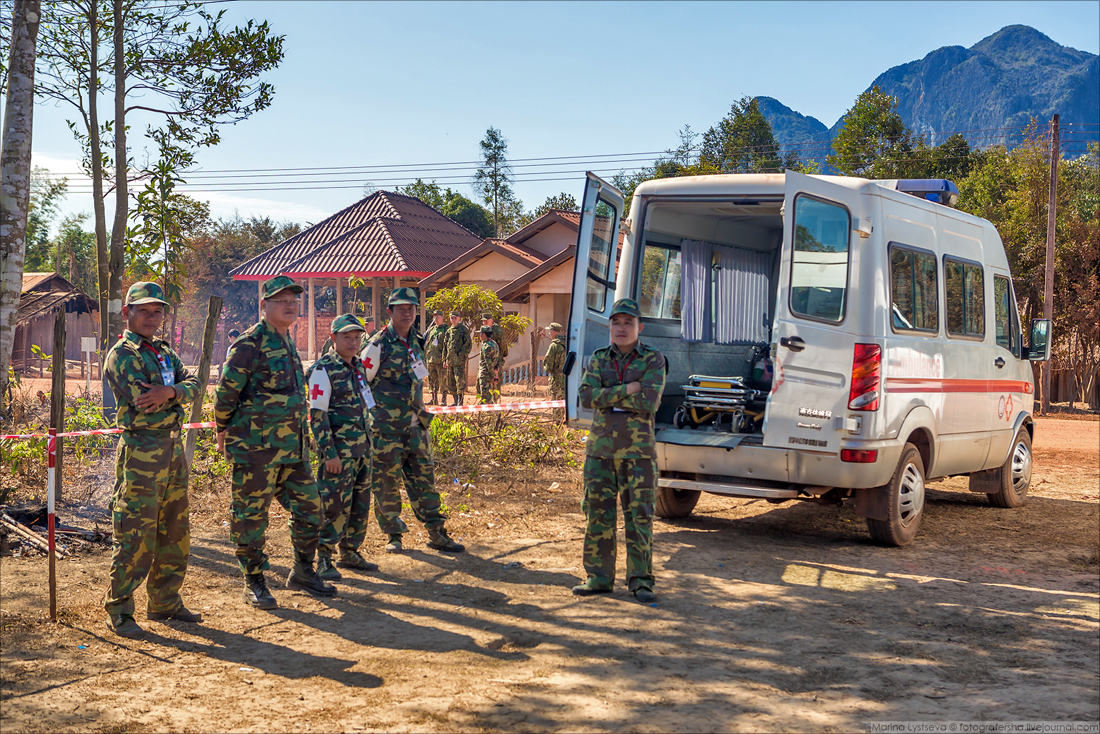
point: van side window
(659, 293)
(914, 294)
(819, 269)
(1003, 305)
(601, 261)
(965, 287)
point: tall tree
(741, 142)
(173, 66)
(874, 141)
(493, 179)
(452, 205)
(562, 202)
(15, 172)
(45, 200)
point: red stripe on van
(904, 385)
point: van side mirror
(1039, 344)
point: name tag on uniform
(167, 373)
(418, 368)
(368, 397)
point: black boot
(256, 593)
(303, 578)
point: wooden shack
(43, 295)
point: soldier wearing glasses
(262, 417)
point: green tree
(741, 142)
(470, 301)
(452, 205)
(493, 180)
(76, 252)
(562, 202)
(874, 141)
(45, 201)
(431, 194)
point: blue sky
(408, 84)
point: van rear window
(819, 270)
(659, 294)
(965, 288)
(914, 294)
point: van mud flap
(873, 503)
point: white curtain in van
(695, 290)
(741, 294)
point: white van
(827, 339)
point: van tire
(1014, 477)
(676, 503)
(906, 501)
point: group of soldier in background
(361, 405)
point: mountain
(1000, 82)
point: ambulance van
(828, 339)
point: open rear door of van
(594, 271)
(815, 311)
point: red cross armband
(370, 357)
(320, 389)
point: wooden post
(212, 314)
(374, 303)
(57, 395)
(259, 297)
(1048, 283)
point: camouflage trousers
(631, 482)
(254, 485)
(149, 513)
(437, 378)
(557, 392)
(456, 382)
(345, 499)
(487, 391)
(404, 458)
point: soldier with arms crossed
(149, 508)
(339, 399)
(395, 369)
(261, 413)
(623, 385)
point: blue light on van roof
(939, 190)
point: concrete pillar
(311, 352)
(374, 303)
(339, 296)
(259, 297)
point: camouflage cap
(456, 314)
(486, 315)
(403, 295)
(486, 330)
(436, 313)
(278, 284)
(628, 306)
(145, 292)
(555, 326)
(346, 322)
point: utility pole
(1048, 283)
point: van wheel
(674, 503)
(1014, 478)
(906, 493)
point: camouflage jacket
(458, 345)
(623, 425)
(490, 358)
(134, 359)
(398, 393)
(554, 361)
(342, 431)
(435, 341)
(260, 401)
(498, 337)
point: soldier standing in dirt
(498, 335)
(487, 372)
(339, 400)
(149, 507)
(623, 385)
(394, 363)
(435, 341)
(455, 353)
(262, 418)
(554, 365)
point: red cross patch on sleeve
(320, 389)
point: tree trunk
(15, 173)
(116, 262)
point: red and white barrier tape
(96, 432)
(494, 407)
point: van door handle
(794, 343)
(1000, 362)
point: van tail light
(859, 456)
(866, 377)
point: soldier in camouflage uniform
(394, 363)
(435, 341)
(498, 335)
(488, 372)
(368, 327)
(262, 417)
(149, 508)
(554, 365)
(623, 385)
(455, 353)
(339, 399)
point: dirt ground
(770, 618)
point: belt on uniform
(154, 432)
